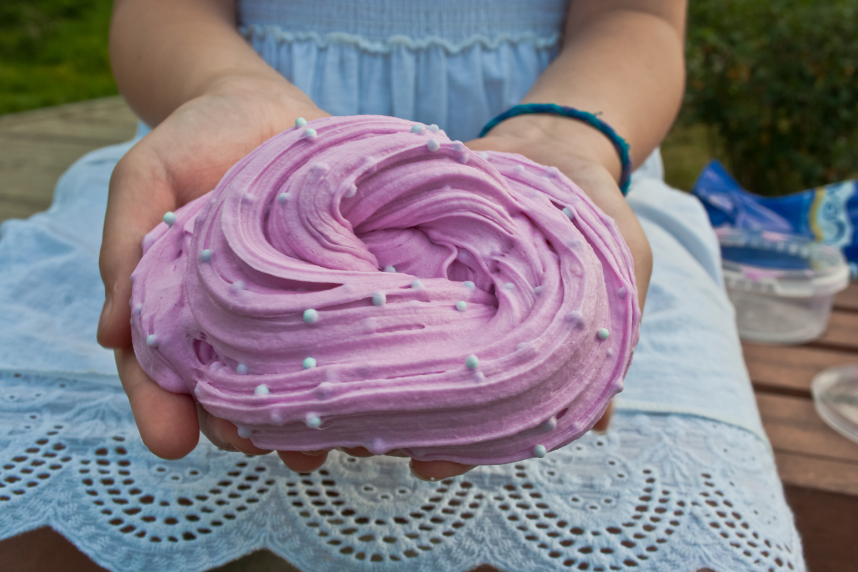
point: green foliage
(52, 52)
(776, 82)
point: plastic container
(835, 395)
(781, 285)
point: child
(211, 96)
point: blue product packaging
(827, 214)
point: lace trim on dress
(397, 41)
(657, 492)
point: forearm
(623, 59)
(167, 52)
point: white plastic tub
(782, 286)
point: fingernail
(419, 476)
(314, 453)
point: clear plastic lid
(835, 394)
(781, 264)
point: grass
(685, 151)
(53, 52)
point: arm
(165, 53)
(211, 99)
(623, 58)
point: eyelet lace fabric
(657, 492)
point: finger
(167, 421)
(601, 425)
(437, 470)
(356, 451)
(139, 196)
(224, 434)
(302, 462)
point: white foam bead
(311, 316)
(261, 389)
(282, 198)
(310, 134)
(206, 255)
(244, 432)
(379, 299)
(241, 369)
(575, 318)
(433, 145)
(313, 421)
(549, 424)
(152, 341)
(417, 285)
(170, 218)
(319, 169)
(378, 446)
(300, 122)
(539, 451)
(390, 268)
(433, 128)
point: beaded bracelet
(554, 109)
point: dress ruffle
(458, 86)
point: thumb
(138, 198)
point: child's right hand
(181, 159)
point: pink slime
(305, 222)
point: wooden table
(818, 466)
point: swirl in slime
(368, 282)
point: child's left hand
(576, 159)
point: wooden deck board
(793, 426)
(790, 370)
(842, 332)
(821, 474)
(847, 299)
(36, 147)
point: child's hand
(580, 161)
(180, 160)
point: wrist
(273, 92)
(571, 136)
(270, 104)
